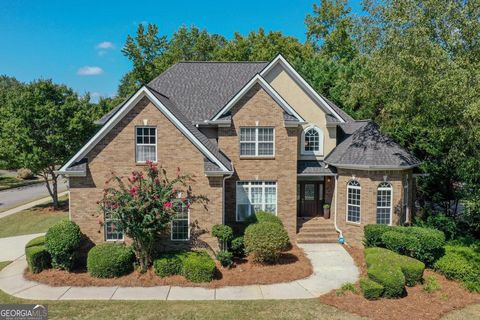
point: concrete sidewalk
(332, 266)
(12, 248)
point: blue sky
(78, 42)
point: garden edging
(332, 267)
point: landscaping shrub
(38, 241)
(462, 264)
(110, 260)
(223, 233)
(412, 269)
(265, 241)
(262, 216)
(431, 285)
(62, 241)
(399, 242)
(237, 247)
(373, 234)
(441, 222)
(348, 286)
(225, 258)
(38, 258)
(168, 264)
(198, 267)
(25, 174)
(371, 290)
(392, 280)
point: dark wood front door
(310, 195)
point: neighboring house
(256, 136)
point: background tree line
(410, 65)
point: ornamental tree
(144, 204)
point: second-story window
(312, 139)
(146, 144)
(257, 141)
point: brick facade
(116, 153)
(257, 108)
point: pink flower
(133, 191)
(167, 205)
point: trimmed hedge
(168, 264)
(62, 241)
(371, 290)
(38, 258)
(262, 216)
(198, 267)
(265, 241)
(423, 244)
(462, 264)
(238, 247)
(392, 270)
(110, 260)
(225, 258)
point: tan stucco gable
(306, 107)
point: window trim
(359, 187)
(389, 188)
(256, 155)
(146, 144)
(321, 141)
(105, 220)
(188, 224)
(263, 185)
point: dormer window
(312, 141)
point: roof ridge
(218, 61)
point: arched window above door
(312, 141)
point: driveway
(332, 267)
(16, 197)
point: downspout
(223, 193)
(340, 237)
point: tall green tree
(42, 125)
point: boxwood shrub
(392, 279)
(168, 264)
(371, 290)
(62, 241)
(461, 263)
(225, 258)
(110, 260)
(265, 241)
(237, 247)
(198, 267)
(38, 258)
(412, 269)
(373, 234)
(262, 216)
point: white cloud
(89, 71)
(105, 45)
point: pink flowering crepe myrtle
(144, 204)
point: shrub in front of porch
(265, 241)
(262, 216)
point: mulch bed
(417, 304)
(293, 265)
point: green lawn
(32, 220)
(470, 312)
(7, 182)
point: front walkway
(332, 266)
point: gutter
(340, 237)
(223, 193)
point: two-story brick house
(256, 136)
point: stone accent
(369, 181)
(116, 153)
(257, 108)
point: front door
(310, 195)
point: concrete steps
(316, 230)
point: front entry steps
(316, 230)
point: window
(257, 142)
(353, 201)
(111, 229)
(180, 223)
(384, 203)
(253, 196)
(146, 144)
(312, 141)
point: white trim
(304, 84)
(146, 144)
(263, 186)
(257, 142)
(142, 92)
(188, 224)
(268, 88)
(321, 140)
(105, 220)
(359, 187)
(390, 188)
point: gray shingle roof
(314, 167)
(190, 127)
(79, 166)
(201, 89)
(368, 147)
